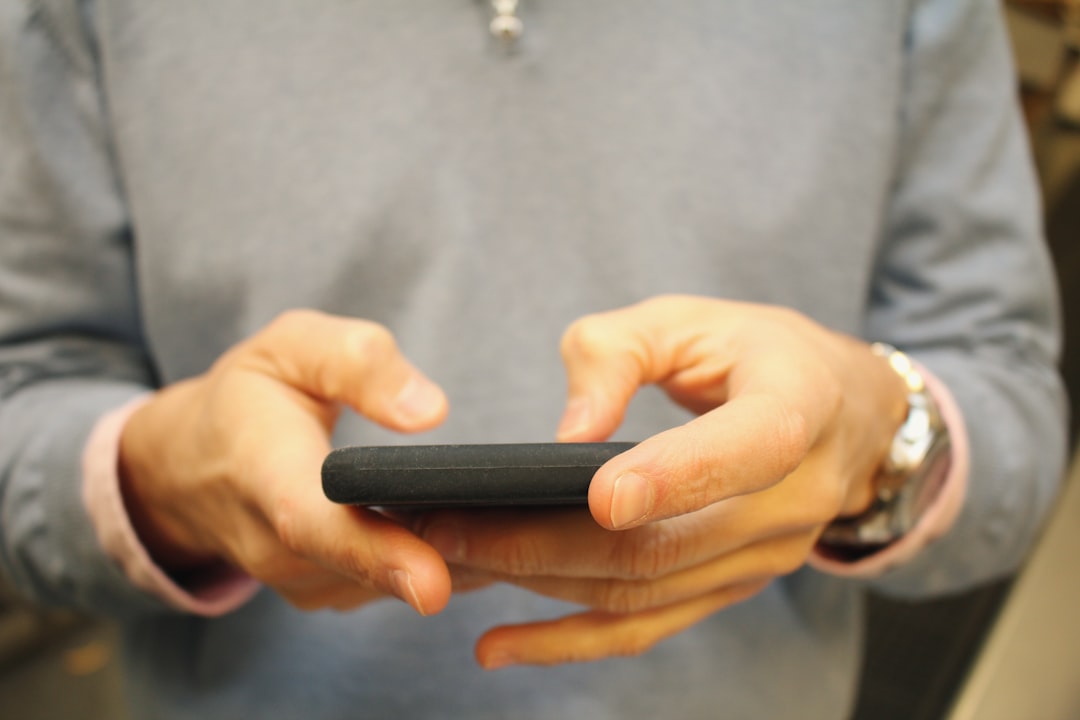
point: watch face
(925, 483)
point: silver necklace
(506, 25)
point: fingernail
(631, 500)
(447, 539)
(401, 581)
(498, 659)
(576, 419)
(419, 400)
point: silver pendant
(506, 25)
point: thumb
(346, 360)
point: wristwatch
(911, 475)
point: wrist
(907, 478)
(160, 534)
(881, 396)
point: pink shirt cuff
(213, 593)
(937, 519)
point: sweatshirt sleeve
(209, 592)
(964, 286)
(70, 341)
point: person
(237, 235)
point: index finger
(347, 360)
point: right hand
(226, 466)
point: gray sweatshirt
(175, 174)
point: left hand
(793, 421)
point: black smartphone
(529, 474)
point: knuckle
(368, 345)
(516, 556)
(785, 563)
(293, 320)
(708, 474)
(266, 562)
(671, 303)
(649, 552)
(371, 338)
(353, 566)
(587, 336)
(810, 515)
(303, 548)
(264, 350)
(256, 548)
(787, 558)
(262, 566)
(363, 347)
(623, 597)
(792, 437)
(286, 524)
(817, 497)
(828, 504)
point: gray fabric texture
(174, 175)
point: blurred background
(1011, 650)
